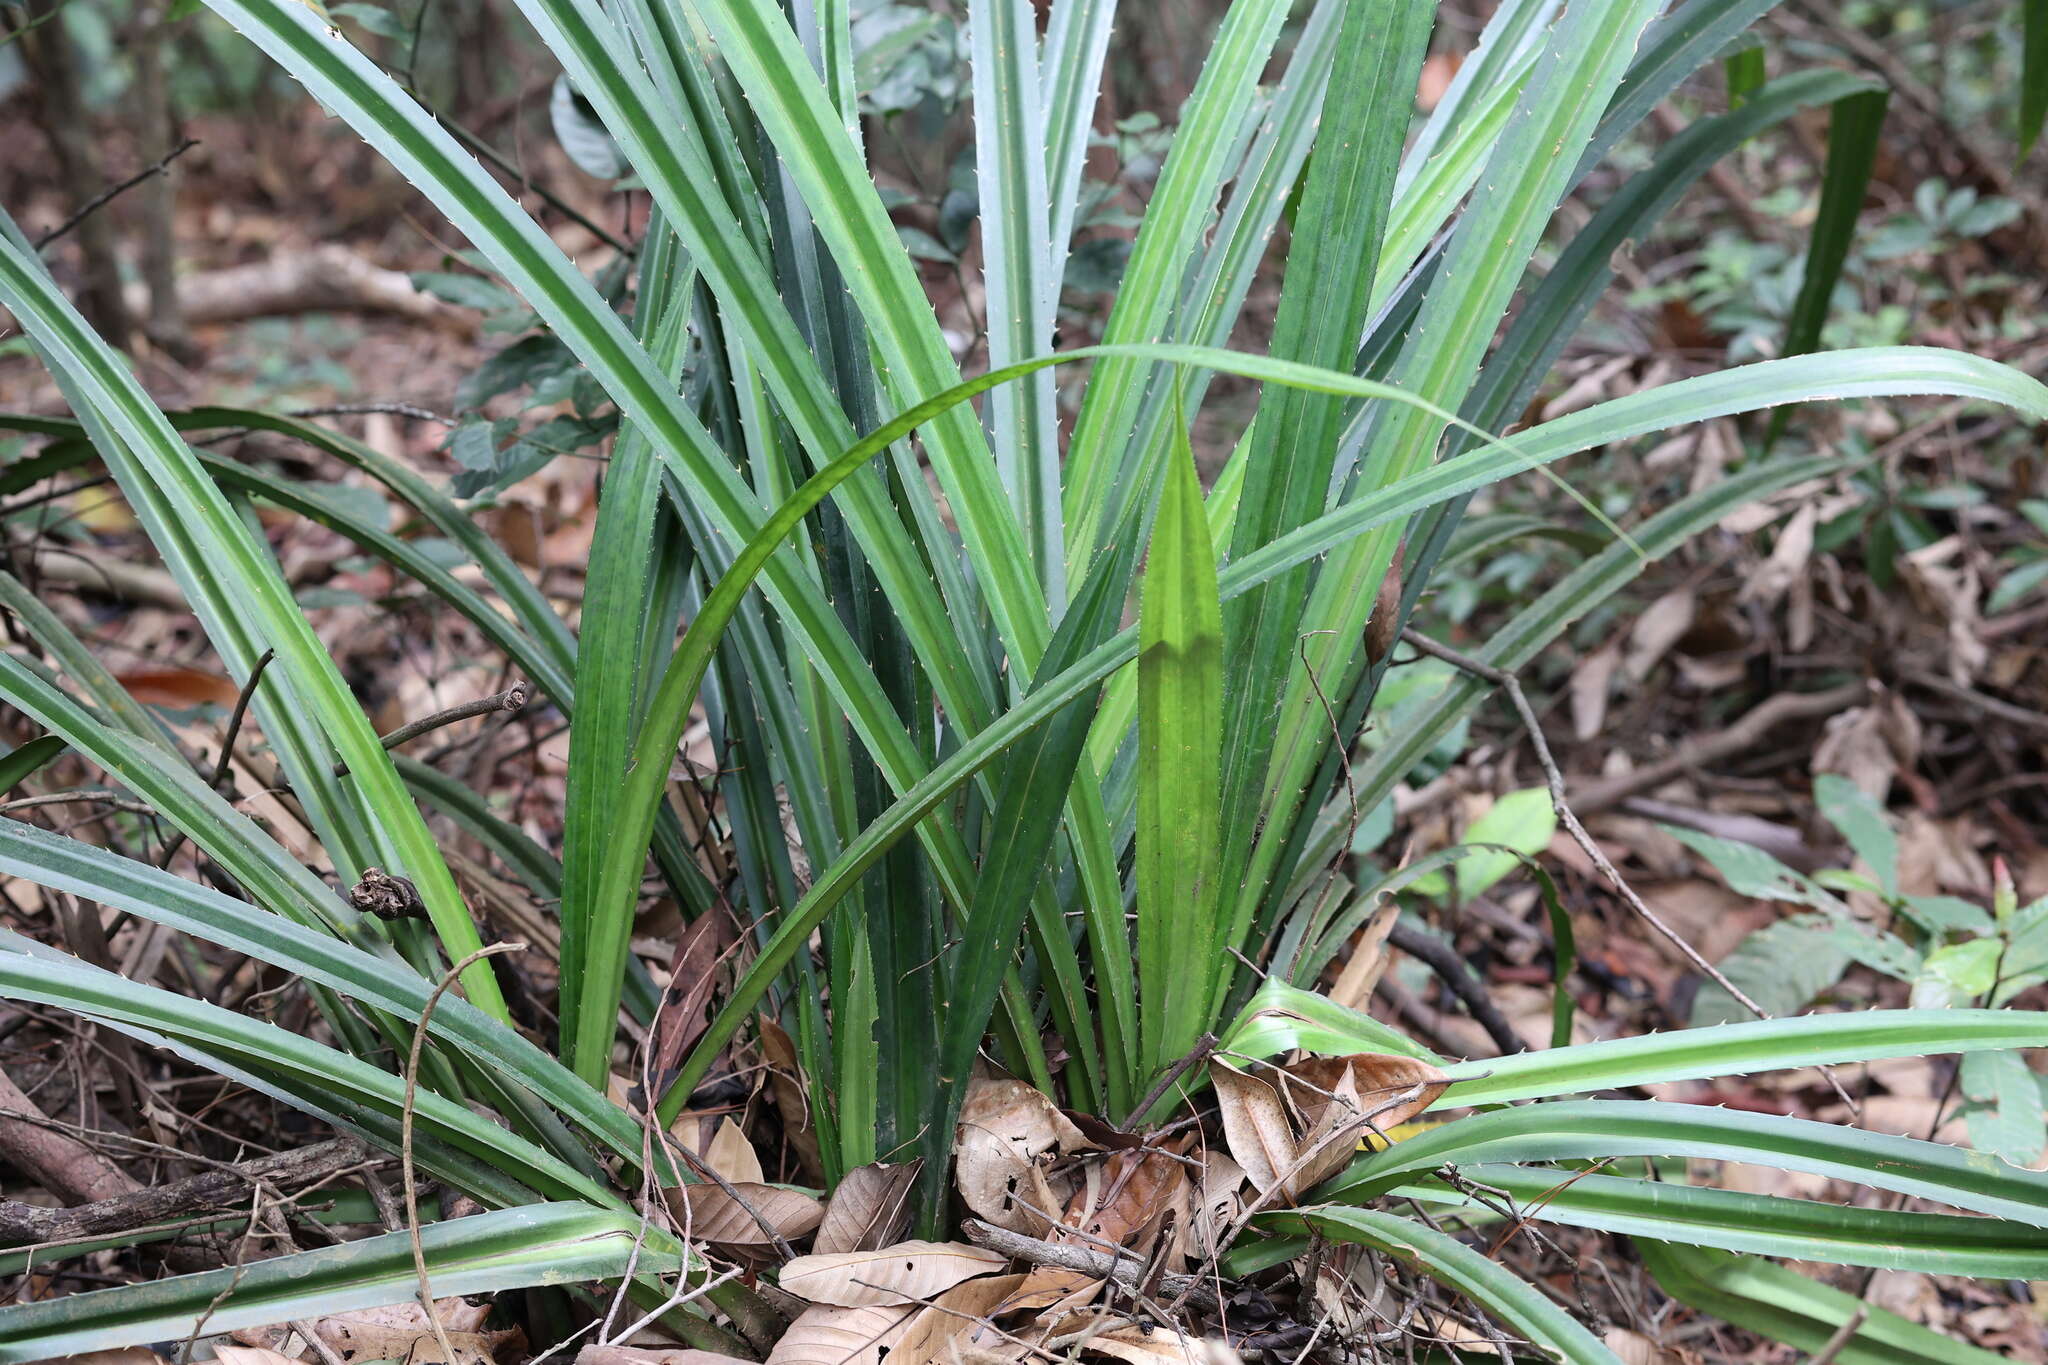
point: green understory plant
(1024, 826)
(1950, 952)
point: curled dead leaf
(868, 1209)
(732, 1156)
(1255, 1126)
(1005, 1126)
(891, 1274)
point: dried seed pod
(1383, 625)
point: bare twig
(1701, 750)
(1842, 1337)
(100, 200)
(226, 760)
(1508, 683)
(511, 699)
(1441, 958)
(23, 1224)
(412, 1083)
(1126, 1269)
(388, 409)
(1204, 1046)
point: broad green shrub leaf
(465, 291)
(1886, 954)
(527, 361)
(1781, 967)
(1862, 822)
(1944, 915)
(1749, 871)
(2005, 1113)
(373, 19)
(1521, 820)
(1957, 974)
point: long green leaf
(1761, 385)
(1586, 1130)
(1180, 734)
(1494, 1287)
(1788, 1307)
(19, 764)
(1010, 151)
(507, 1249)
(231, 578)
(1853, 130)
(1767, 1225)
(375, 980)
(330, 1084)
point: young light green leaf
(1180, 723)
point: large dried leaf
(692, 974)
(868, 1209)
(1005, 1126)
(653, 1355)
(1255, 1125)
(1136, 1188)
(1368, 960)
(950, 1317)
(708, 1214)
(826, 1335)
(1146, 1345)
(732, 1156)
(893, 1274)
(1391, 1089)
(1048, 1291)
(787, 1088)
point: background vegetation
(929, 580)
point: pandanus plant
(1014, 824)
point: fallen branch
(112, 192)
(511, 699)
(223, 1189)
(1440, 957)
(1704, 750)
(54, 1159)
(325, 278)
(1126, 1269)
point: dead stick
(1127, 1270)
(22, 1224)
(1508, 683)
(511, 699)
(1698, 752)
(99, 200)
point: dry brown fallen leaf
(869, 1208)
(1149, 1346)
(1255, 1126)
(1005, 1126)
(1290, 1143)
(732, 1156)
(786, 1086)
(653, 1355)
(708, 1214)
(950, 1317)
(254, 1355)
(893, 1274)
(825, 1335)
(1368, 960)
